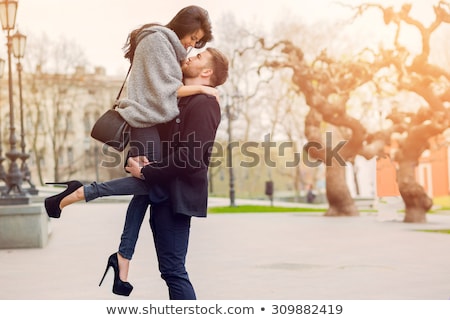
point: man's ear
(207, 72)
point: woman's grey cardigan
(154, 79)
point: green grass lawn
(445, 231)
(260, 209)
(444, 202)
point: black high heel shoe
(119, 287)
(52, 203)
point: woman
(155, 82)
(156, 53)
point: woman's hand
(212, 92)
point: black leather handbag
(111, 128)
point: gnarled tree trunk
(339, 198)
(417, 202)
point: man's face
(193, 66)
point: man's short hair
(219, 66)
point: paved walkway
(241, 256)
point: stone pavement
(272, 256)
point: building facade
(432, 172)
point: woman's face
(191, 39)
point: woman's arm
(185, 91)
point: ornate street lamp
(14, 193)
(232, 112)
(2, 170)
(19, 42)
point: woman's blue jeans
(136, 209)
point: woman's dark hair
(187, 20)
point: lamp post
(14, 193)
(232, 112)
(96, 157)
(2, 170)
(19, 41)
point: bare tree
(51, 95)
(267, 105)
(431, 82)
(327, 85)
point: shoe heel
(104, 274)
(59, 183)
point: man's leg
(171, 237)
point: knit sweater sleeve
(154, 80)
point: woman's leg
(116, 187)
(146, 142)
(133, 220)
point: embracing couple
(172, 106)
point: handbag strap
(116, 103)
(123, 84)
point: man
(179, 183)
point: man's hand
(142, 160)
(134, 166)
